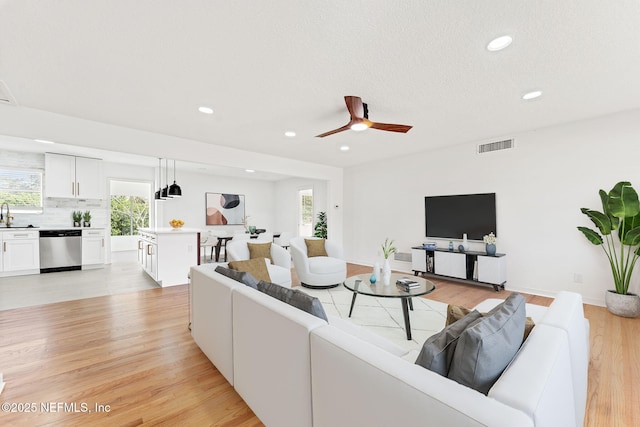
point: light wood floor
(133, 352)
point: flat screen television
(450, 217)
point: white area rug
(383, 316)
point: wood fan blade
(355, 107)
(331, 132)
(390, 127)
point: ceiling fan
(360, 119)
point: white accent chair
(279, 271)
(241, 235)
(265, 237)
(208, 240)
(284, 239)
(321, 272)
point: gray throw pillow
(437, 351)
(294, 298)
(487, 346)
(238, 276)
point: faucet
(9, 217)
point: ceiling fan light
(499, 43)
(532, 95)
(359, 126)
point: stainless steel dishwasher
(60, 250)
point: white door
(305, 212)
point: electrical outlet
(577, 278)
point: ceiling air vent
(496, 146)
(5, 96)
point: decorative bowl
(176, 223)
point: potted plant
(320, 229)
(387, 250)
(621, 213)
(77, 217)
(86, 217)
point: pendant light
(175, 190)
(165, 190)
(158, 195)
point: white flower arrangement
(490, 239)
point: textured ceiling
(269, 67)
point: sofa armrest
(211, 305)
(538, 380)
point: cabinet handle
(103, 243)
(78, 185)
(73, 188)
(4, 246)
(139, 244)
(149, 250)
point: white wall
(286, 197)
(259, 201)
(540, 187)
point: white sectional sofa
(295, 369)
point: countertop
(48, 228)
(169, 230)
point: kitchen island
(166, 254)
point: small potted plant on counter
(86, 217)
(77, 218)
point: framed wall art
(224, 208)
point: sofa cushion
(315, 247)
(260, 250)
(437, 351)
(295, 298)
(239, 276)
(457, 312)
(257, 267)
(488, 345)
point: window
(129, 207)
(21, 189)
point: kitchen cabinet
(167, 254)
(20, 253)
(73, 177)
(148, 254)
(93, 248)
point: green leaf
(632, 237)
(601, 220)
(623, 201)
(604, 198)
(591, 235)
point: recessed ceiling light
(249, 170)
(531, 95)
(206, 110)
(344, 148)
(499, 43)
(44, 141)
(359, 127)
(290, 133)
